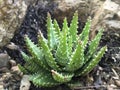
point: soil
(106, 76)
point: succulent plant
(63, 55)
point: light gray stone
(66, 8)
(107, 17)
(4, 59)
(11, 15)
(113, 24)
(25, 83)
(4, 62)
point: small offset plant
(63, 55)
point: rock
(112, 24)
(4, 62)
(15, 69)
(12, 46)
(12, 63)
(11, 16)
(66, 8)
(25, 83)
(107, 17)
(94, 5)
(1, 84)
(1, 87)
(11, 81)
(117, 82)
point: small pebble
(112, 85)
(12, 63)
(12, 46)
(25, 83)
(117, 82)
(1, 87)
(15, 68)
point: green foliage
(63, 55)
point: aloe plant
(63, 55)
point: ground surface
(106, 76)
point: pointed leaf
(74, 27)
(22, 68)
(92, 63)
(33, 67)
(62, 77)
(52, 33)
(62, 52)
(65, 27)
(93, 45)
(33, 49)
(84, 36)
(48, 54)
(25, 56)
(43, 79)
(57, 28)
(77, 58)
(36, 53)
